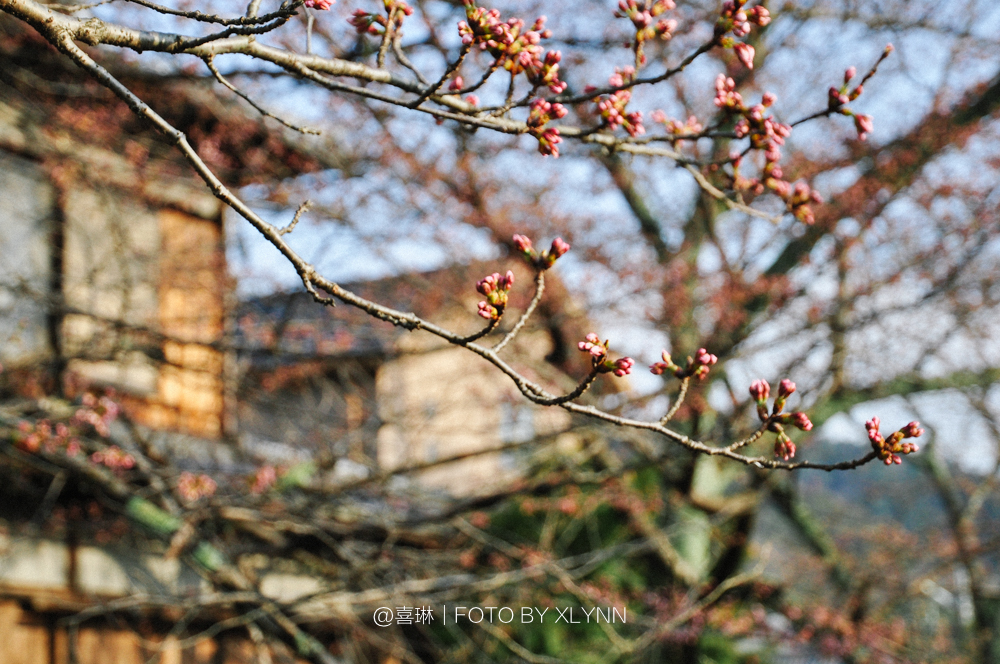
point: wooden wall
(36, 637)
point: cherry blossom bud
(768, 99)
(784, 447)
(760, 390)
(745, 53)
(623, 366)
(912, 430)
(698, 366)
(593, 346)
(785, 388)
(193, 487)
(523, 244)
(319, 4)
(488, 311)
(801, 420)
(874, 436)
(488, 284)
(113, 457)
(836, 98)
(666, 365)
(559, 247)
(457, 83)
(759, 15)
(850, 73)
(472, 99)
(263, 479)
(495, 288)
(864, 125)
(705, 358)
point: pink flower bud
(559, 247)
(506, 281)
(705, 358)
(456, 83)
(801, 420)
(760, 390)
(912, 430)
(836, 97)
(623, 366)
(768, 99)
(319, 4)
(745, 53)
(666, 365)
(785, 388)
(864, 125)
(193, 487)
(760, 16)
(488, 284)
(522, 243)
(593, 346)
(784, 447)
(850, 73)
(263, 479)
(488, 311)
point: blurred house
(361, 396)
(115, 276)
(114, 266)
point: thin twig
(677, 402)
(539, 290)
(210, 63)
(295, 220)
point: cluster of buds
(263, 479)
(374, 24)
(33, 437)
(838, 98)
(776, 420)
(799, 199)
(600, 362)
(676, 128)
(697, 366)
(544, 260)
(612, 107)
(98, 412)
(542, 112)
(495, 289)
(734, 18)
(643, 16)
(889, 449)
(319, 4)
(114, 458)
(514, 48)
(766, 135)
(193, 487)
